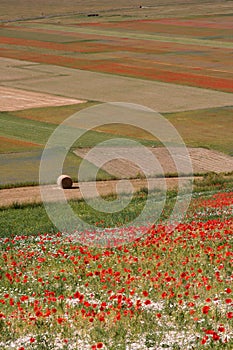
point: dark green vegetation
(31, 219)
(212, 182)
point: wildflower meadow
(166, 289)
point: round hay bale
(64, 181)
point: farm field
(21, 150)
(178, 51)
(22, 165)
(14, 99)
(124, 262)
(31, 194)
(86, 85)
(123, 168)
(108, 9)
(217, 137)
(168, 288)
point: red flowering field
(170, 288)
(195, 52)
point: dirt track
(202, 160)
(32, 194)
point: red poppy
(216, 336)
(221, 329)
(204, 340)
(205, 309)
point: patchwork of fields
(175, 51)
(105, 280)
(23, 134)
(86, 85)
(171, 64)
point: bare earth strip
(32, 194)
(79, 84)
(203, 160)
(150, 8)
(14, 99)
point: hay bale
(64, 181)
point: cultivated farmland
(13, 100)
(168, 51)
(141, 263)
(85, 85)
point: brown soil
(32, 194)
(15, 99)
(203, 161)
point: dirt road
(32, 194)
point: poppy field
(170, 288)
(165, 283)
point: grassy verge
(31, 219)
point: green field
(130, 35)
(32, 218)
(29, 130)
(208, 128)
(22, 165)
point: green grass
(212, 182)
(24, 129)
(131, 35)
(53, 114)
(209, 128)
(31, 219)
(21, 167)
